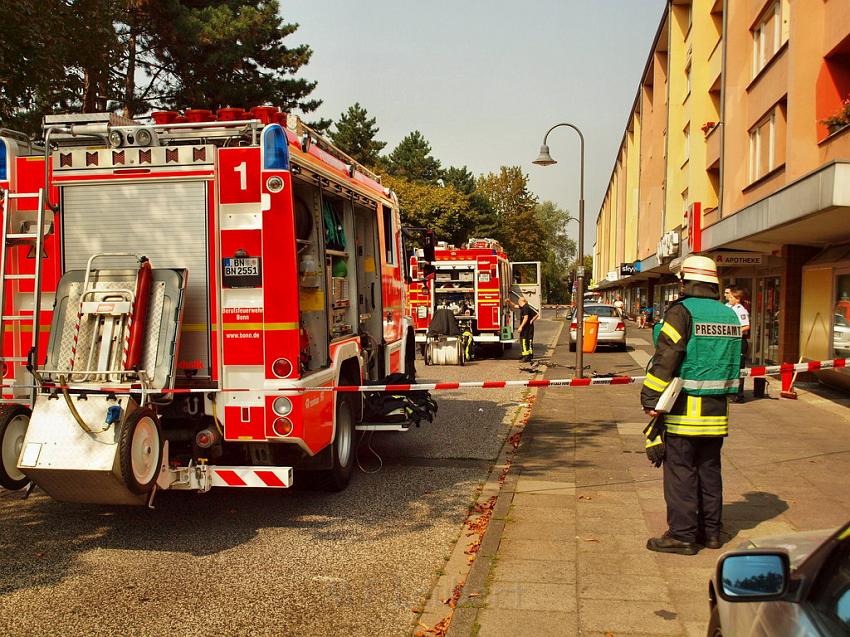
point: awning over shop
(813, 210)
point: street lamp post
(545, 159)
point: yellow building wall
(694, 38)
(816, 307)
(630, 236)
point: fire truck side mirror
(429, 244)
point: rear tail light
(620, 327)
(206, 438)
(573, 325)
(282, 368)
(282, 426)
(282, 406)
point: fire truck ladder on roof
(17, 230)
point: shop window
(769, 34)
(841, 318)
(833, 89)
(767, 143)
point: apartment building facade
(738, 147)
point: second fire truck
(475, 281)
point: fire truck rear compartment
(164, 221)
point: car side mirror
(753, 576)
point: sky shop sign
(732, 259)
(628, 269)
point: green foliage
(89, 55)
(560, 251)
(355, 134)
(512, 205)
(442, 209)
(412, 160)
(226, 52)
(55, 55)
(460, 179)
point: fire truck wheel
(337, 477)
(140, 450)
(14, 420)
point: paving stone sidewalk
(572, 560)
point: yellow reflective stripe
(694, 406)
(696, 420)
(655, 383)
(698, 431)
(671, 332)
(654, 442)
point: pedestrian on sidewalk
(735, 299)
(620, 306)
(527, 316)
(699, 341)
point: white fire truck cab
(475, 281)
(197, 273)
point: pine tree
(460, 178)
(224, 52)
(355, 134)
(412, 160)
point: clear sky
(483, 80)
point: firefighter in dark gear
(527, 315)
(699, 341)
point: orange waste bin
(590, 333)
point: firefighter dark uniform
(526, 334)
(698, 341)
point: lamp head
(544, 159)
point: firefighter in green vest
(699, 342)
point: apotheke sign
(729, 259)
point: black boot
(667, 544)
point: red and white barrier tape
(760, 371)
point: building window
(688, 80)
(832, 89)
(686, 144)
(767, 143)
(769, 34)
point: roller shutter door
(167, 222)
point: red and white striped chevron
(261, 477)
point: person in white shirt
(619, 305)
(734, 297)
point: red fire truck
(196, 273)
(475, 281)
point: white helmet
(699, 268)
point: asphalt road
(265, 562)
